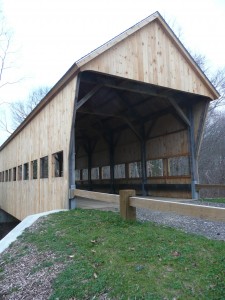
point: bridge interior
(129, 134)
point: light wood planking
(96, 196)
(164, 59)
(198, 211)
(47, 133)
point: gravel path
(209, 229)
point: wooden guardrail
(112, 198)
(193, 210)
(200, 186)
(128, 203)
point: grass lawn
(214, 200)
(129, 260)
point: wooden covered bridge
(128, 115)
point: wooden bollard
(127, 212)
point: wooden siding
(48, 133)
(150, 55)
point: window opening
(34, 169)
(44, 167)
(14, 174)
(1, 176)
(95, 173)
(6, 175)
(77, 175)
(119, 171)
(58, 164)
(135, 170)
(155, 168)
(106, 172)
(20, 172)
(26, 171)
(85, 174)
(179, 166)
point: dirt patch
(27, 274)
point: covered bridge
(129, 114)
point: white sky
(50, 35)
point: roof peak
(120, 37)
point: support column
(143, 161)
(193, 164)
(72, 161)
(72, 154)
(112, 163)
(89, 153)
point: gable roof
(155, 16)
(75, 68)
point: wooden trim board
(192, 210)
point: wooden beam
(126, 85)
(129, 108)
(201, 128)
(192, 210)
(179, 111)
(143, 161)
(111, 144)
(97, 196)
(150, 129)
(193, 163)
(88, 96)
(210, 186)
(72, 150)
(125, 120)
(133, 128)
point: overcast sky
(50, 35)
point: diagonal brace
(88, 96)
(180, 112)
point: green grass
(214, 200)
(129, 260)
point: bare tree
(21, 109)
(4, 124)
(6, 53)
(212, 153)
(217, 78)
(6, 63)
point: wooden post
(143, 168)
(89, 166)
(127, 212)
(112, 163)
(72, 150)
(193, 164)
(143, 161)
